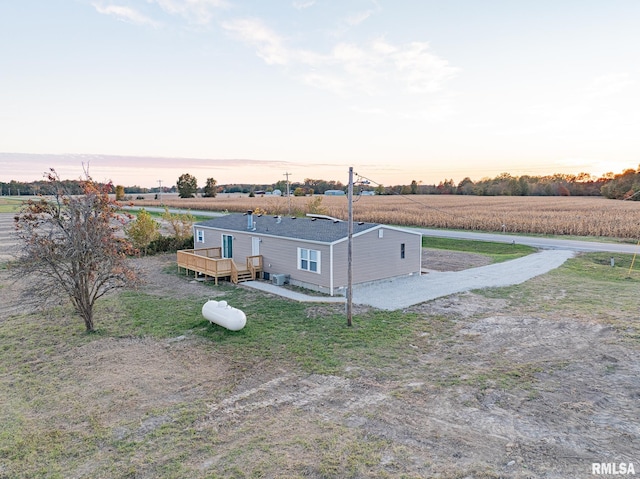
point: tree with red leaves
(69, 246)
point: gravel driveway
(409, 290)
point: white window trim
(199, 236)
(318, 262)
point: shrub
(169, 244)
(142, 230)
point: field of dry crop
(578, 216)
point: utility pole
(350, 249)
(160, 190)
(288, 191)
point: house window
(199, 236)
(227, 246)
(309, 260)
(401, 250)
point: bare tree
(69, 246)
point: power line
(409, 198)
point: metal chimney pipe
(250, 220)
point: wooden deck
(210, 263)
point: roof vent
(278, 219)
(250, 220)
(322, 217)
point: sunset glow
(245, 91)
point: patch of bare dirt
(463, 305)
(442, 260)
(504, 396)
(158, 279)
(126, 378)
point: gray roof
(322, 230)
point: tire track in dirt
(8, 243)
(310, 393)
(8, 237)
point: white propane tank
(222, 314)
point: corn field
(551, 215)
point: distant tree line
(505, 184)
(19, 188)
(625, 185)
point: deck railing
(208, 261)
(254, 264)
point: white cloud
(126, 14)
(382, 47)
(608, 85)
(269, 45)
(367, 111)
(324, 81)
(301, 5)
(433, 113)
(200, 12)
(375, 68)
(196, 11)
(357, 18)
(423, 71)
(353, 20)
(379, 68)
(347, 53)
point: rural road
(536, 242)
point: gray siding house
(312, 250)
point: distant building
(334, 193)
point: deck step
(244, 275)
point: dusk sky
(244, 91)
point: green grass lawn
(158, 215)
(498, 252)
(10, 204)
(278, 329)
